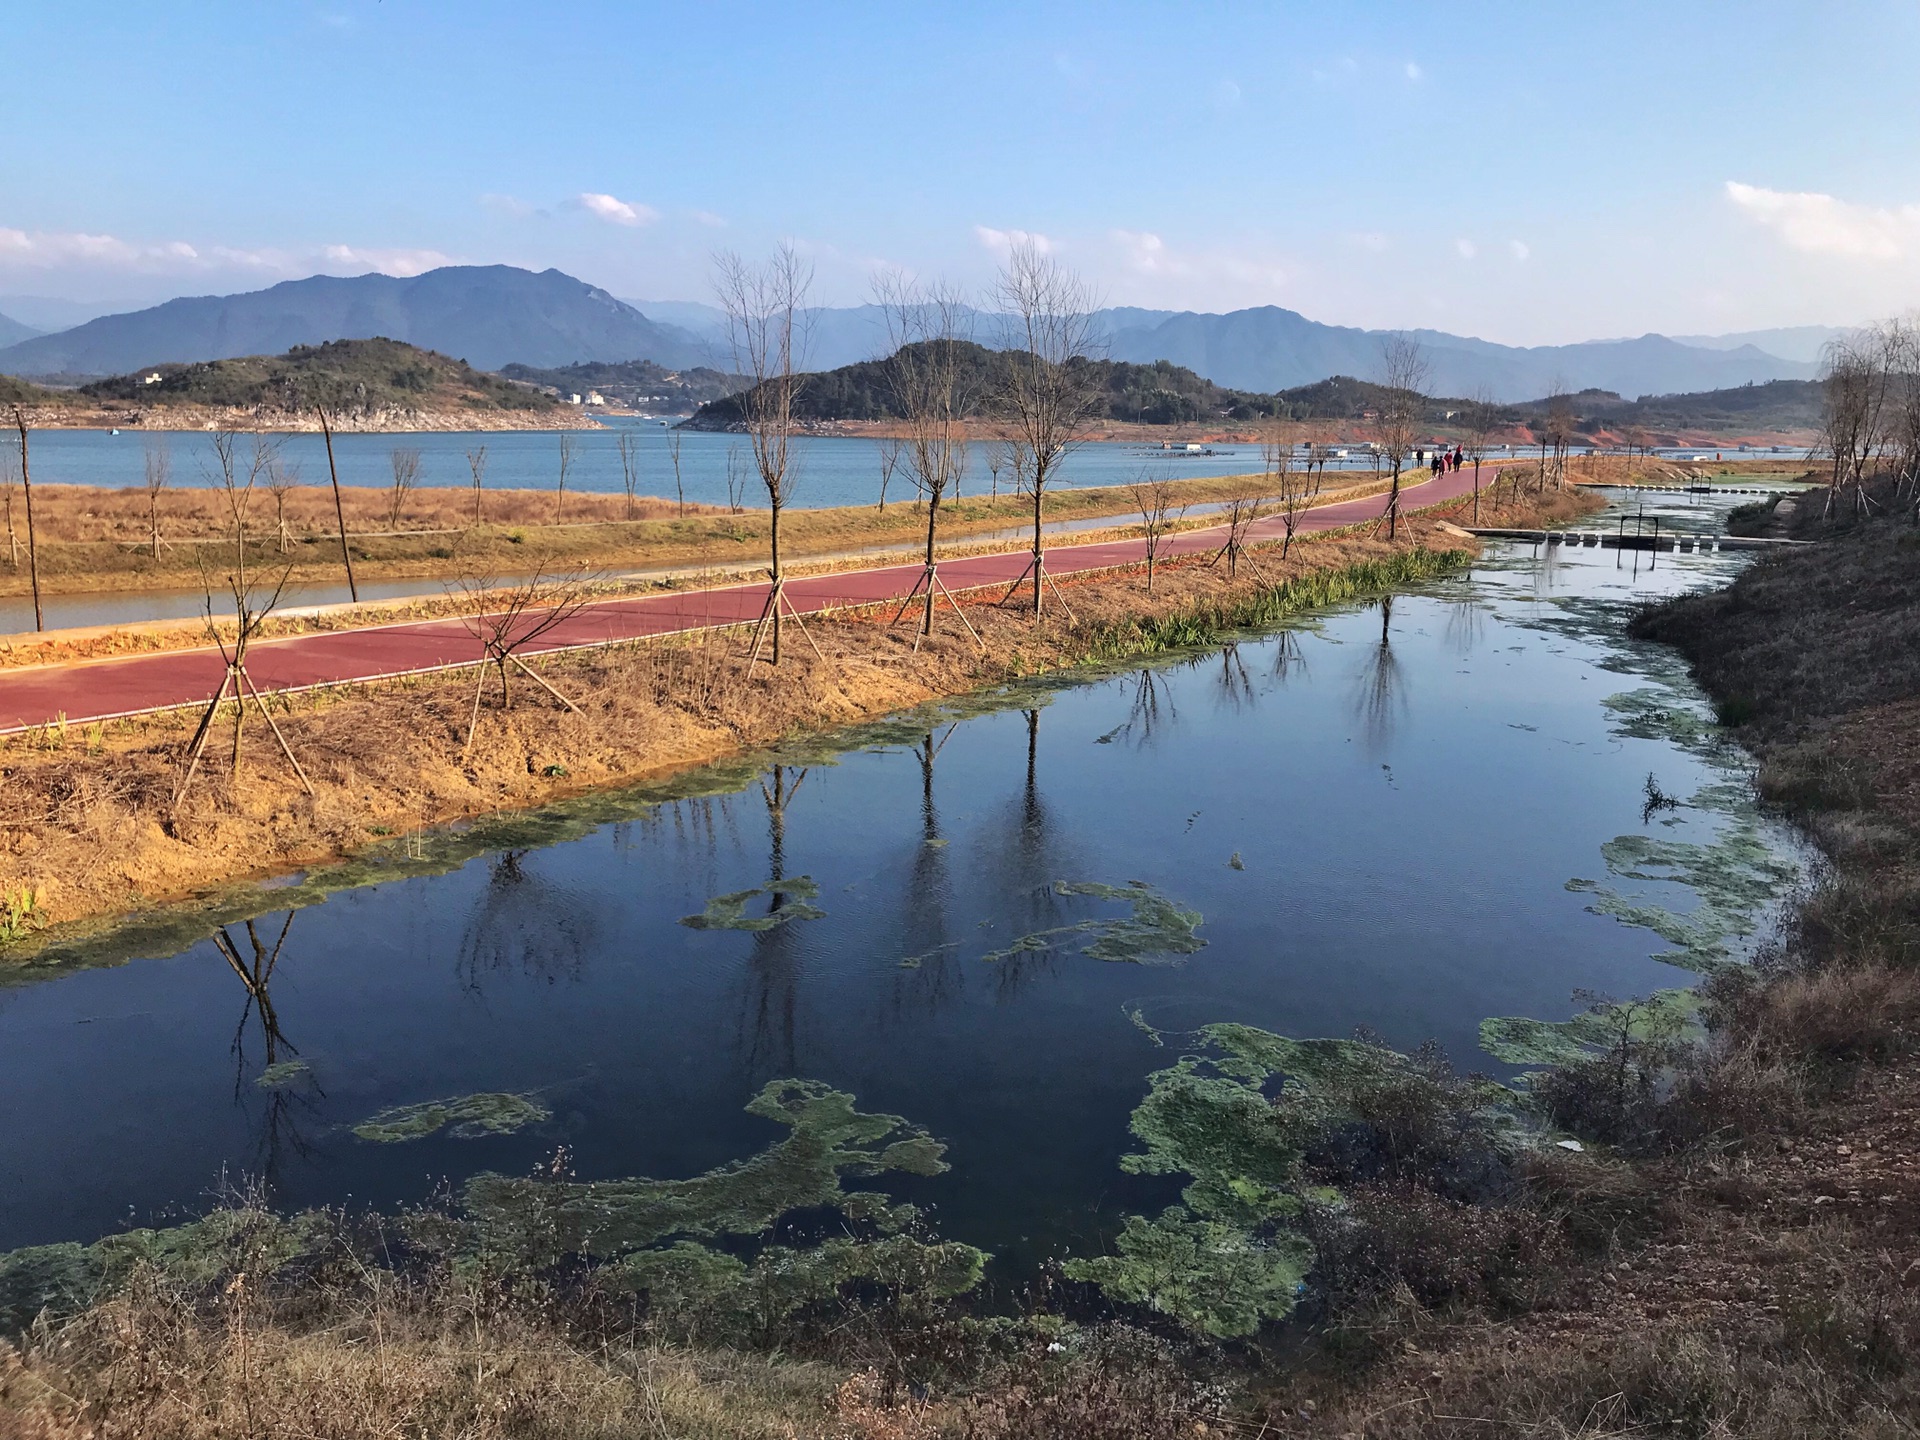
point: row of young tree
(1870, 383)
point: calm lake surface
(1376, 814)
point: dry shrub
(159, 1365)
(1122, 1386)
(1837, 1014)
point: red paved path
(104, 689)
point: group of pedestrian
(1443, 461)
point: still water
(1376, 816)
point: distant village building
(152, 379)
(573, 399)
(595, 398)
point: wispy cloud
(709, 219)
(1145, 253)
(1519, 249)
(1466, 248)
(1823, 225)
(616, 211)
(509, 205)
(386, 262)
(1001, 241)
(1414, 72)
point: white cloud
(617, 212)
(1466, 248)
(1203, 276)
(709, 219)
(1414, 72)
(506, 205)
(1519, 249)
(1001, 241)
(403, 263)
(1823, 225)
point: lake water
(1376, 815)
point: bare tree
(1153, 497)
(1403, 378)
(1052, 391)
(477, 466)
(26, 486)
(1854, 389)
(406, 474)
(1558, 434)
(9, 491)
(510, 618)
(281, 477)
(765, 307)
(327, 410)
(1296, 485)
(997, 459)
(628, 444)
(1242, 512)
(674, 438)
(237, 484)
(566, 464)
(889, 462)
(736, 480)
(159, 471)
(1482, 419)
(931, 383)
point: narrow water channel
(1408, 815)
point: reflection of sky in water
(1407, 787)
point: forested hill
(361, 376)
(1158, 394)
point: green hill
(360, 375)
(638, 383)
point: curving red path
(108, 689)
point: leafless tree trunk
(928, 374)
(1559, 433)
(889, 461)
(1242, 512)
(1051, 390)
(325, 413)
(1856, 382)
(1483, 418)
(406, 474)
(159, 470)
(1296, 484)
(1403, 378)
(767, 331)
(627, 441)
(566, 464)
(477, 464)
(26, 487)
(9, 487)
(1153, 498)
(674, 437)
(281, 479)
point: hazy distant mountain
(1795, 342)
(488, 315)
(1272, 349)
(12, 332)
(1267, 349)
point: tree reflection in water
(1379, 699)
(770, 1015)
(527, 923)
(289, 1087)
(931, 971)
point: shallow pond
(997, 925)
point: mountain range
(12, 332)
(496, 315)
(489, 316)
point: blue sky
(1526, 172)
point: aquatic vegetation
(539, 1221)
(790, 900)
(470, 1116)
(1227, 1259)
(1734, 876)
(1516, 1040)
(282, 1073)
(1213, 1277)
(1154, 927)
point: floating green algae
(282, 1073)
(1517, 1040)
(1213, 1277)
(1226, 1259)
(470, 1116)
(542, 1220)
(790, 900)
(1154, 931)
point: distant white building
(573, 399)
(594, 398)
(152, 379)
